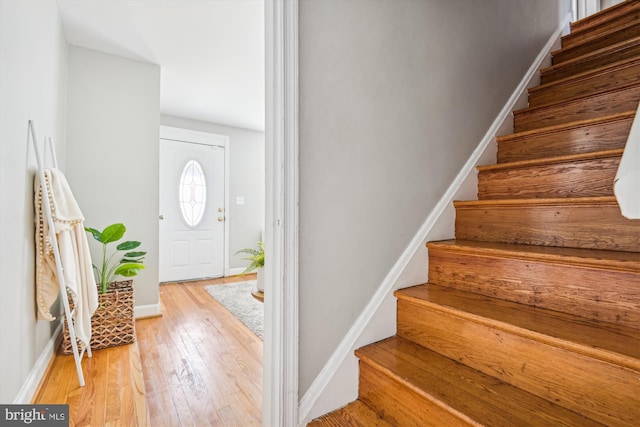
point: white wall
(604, 4)
(584, 8)
(113, 125)
(33, 65)
(246, 179)
(394, 97)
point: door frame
(205, 138)
(280, 361)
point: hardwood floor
(114, 393)
(197, 365)
(201, 365)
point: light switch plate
(239, 200)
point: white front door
(192, 211)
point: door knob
(220, 218)
(220, 209)
(161, 217)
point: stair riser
(584, 139)
(572, 226)
(560, 376)
(398, 404)
(588, 64)
(595, 44)
(577, 37)
(591, 107)
(587, 178)
(594, 293)
(569, 90)
(592, 22)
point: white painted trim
(280, 361)
(584, 8)
(30, 386)
(227, 205)
(149, 310)
(317, 401)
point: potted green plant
(116, 263)
(113, 322)
(256, 256)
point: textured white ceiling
(211, 52)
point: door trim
(206, 138)
(280, 361)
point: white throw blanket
(74, 255)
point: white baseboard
(30, 386)
(150, 310)
(235, 271)
(337, 383)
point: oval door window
(192, 193)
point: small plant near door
(256, 256)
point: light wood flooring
(197, 365)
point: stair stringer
(337, 383)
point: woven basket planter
(112, 324)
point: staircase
(531, 317)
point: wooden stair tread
(562, 371)
(632, 15)
(606, 69)
(595, 258)
(582, 136)
(589, 174)
(591, 106)
(620, 17)
(552, 160)
(579, 222)
(573, 201)
(577, 99)
(476, 398)
(603, 16)
(604, 51)
(615, 344)
(556, 278)
(564, 126)
(595, 38)
(355, 414)
(619, 74)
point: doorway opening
(193, 227)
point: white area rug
(236, 297)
